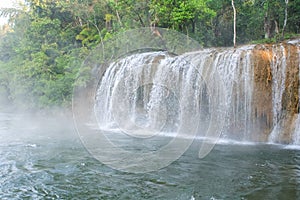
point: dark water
(46, 160)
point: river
(45, 159)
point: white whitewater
(279, 78)
(208, 92)
(229, 70)
(149, 93)
(278, 66)
(296, 137)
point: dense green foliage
(46, 41)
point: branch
(285, 17)
(9, 12)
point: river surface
(44, 159)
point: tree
(234, 23)
(285, 17)
(41, 56)
(192, 17)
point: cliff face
(276, 96)
(262, 112)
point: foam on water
(220, 141)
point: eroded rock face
(262, 111)
(276, 94)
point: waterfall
(296, 134)
(286, 93)
(245, 94)
(229, 70)
(145, 94)
(278, 66)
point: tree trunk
(267, 27)
(234, 24)
(267, 20)
(285, 17)
(118, 16)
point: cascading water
(296, 134)
(147, 93)
(285, 92)
(278, 67)
(246, 91)
(229, 70)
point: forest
(45, 42)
